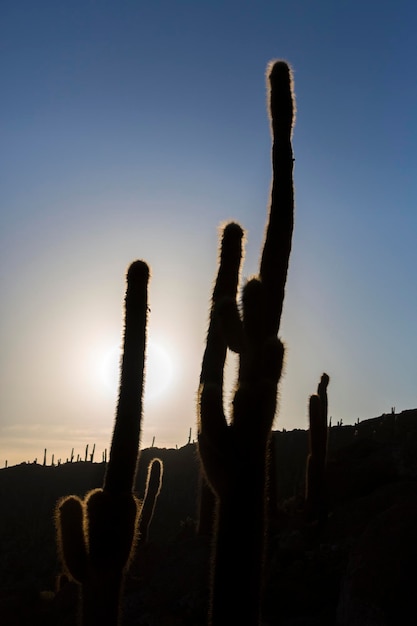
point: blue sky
(132, 130)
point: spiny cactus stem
(240, 538)
(70, 535)
(125, 442)
(152, 491)
(100, 599)
(277, 246)
(225, 289)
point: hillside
(359, 570)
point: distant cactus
(72, 455)
(44, 458)
(234, 455)
(96, 537)
(92, 454)
(316, 500)
(152, 491)
(86, 453)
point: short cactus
(316, 501)
(96, 537)
(152, 491)
(234, 454)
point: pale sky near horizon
(132, 130)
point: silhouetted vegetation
(152, 491)
(234, 455)
(316, 497)
(96, 537)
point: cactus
(72, 455)
(96, 537)
(44, 458)
(316, 502)
(152, 491)
(234, 453)
(92, 454)
(206, 508)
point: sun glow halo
(159, 371)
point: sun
(159, 371)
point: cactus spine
(234, 455)
(96, 537)
(316, 502)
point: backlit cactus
(152, 491)
(96, 537)
(233, 451)
(316, 501)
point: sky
(134, 130)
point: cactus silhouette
(152, 491)
(233, 452)
(96, 537)
(316, 503)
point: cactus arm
(121, 469)
(70, 537)
(224, 297)
(152, 491)
(277, 245)
(213, 433)
(316, 500)
(322, 393)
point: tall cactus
(316, 500)
(96, 536)
(234, 453)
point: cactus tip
(282, 103)
(278, 69)
(138, 271)
(233, 229)
(325, 379)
